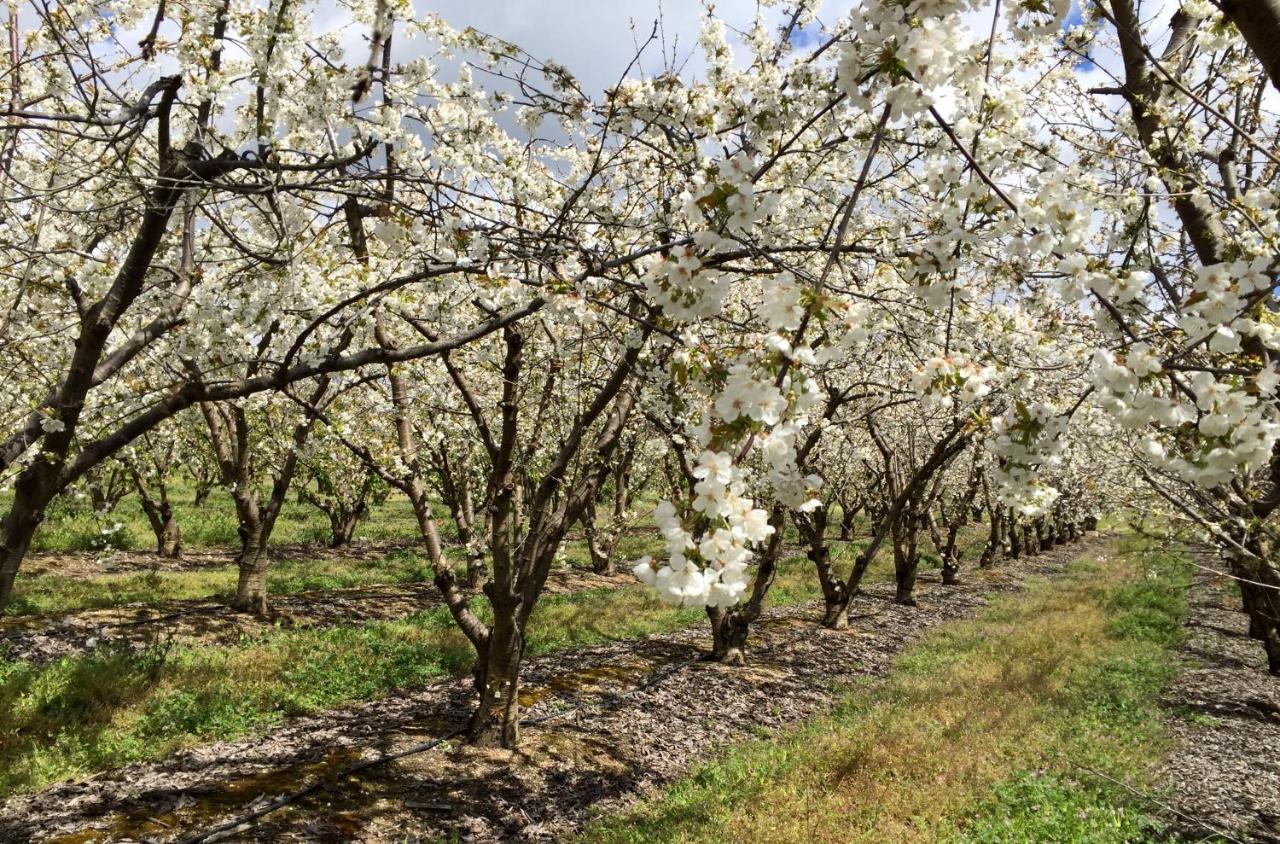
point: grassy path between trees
(1015, 726)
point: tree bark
(1260, 599)
(342, 526)
(251, 586)
(1030, 540)
(835, 593)
(728, 637)
(496, 721)
(994, 551)
(906, 561)
(730, 627)
(164, 524)
(160, 515)
(848, 516)
(601, 558)
(1259, 23)
(20, 525)
(1015, 540)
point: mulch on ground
(1224, 770)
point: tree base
(255, 604)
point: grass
(107, 708)
(56, 594)
(988, 730)
(71, 525)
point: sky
(595, 39)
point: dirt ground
(1224, 771)
(603, 726)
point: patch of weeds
(1037, 807)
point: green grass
(56, 594)
(987, 730)
(53, 594)
(71, 525)
(107, 708)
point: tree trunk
(994, 551)
(1030, 542)
(202, 491)
(1015, 541)
(32, 492)
(601, 559)
(730, 628)
(164, 524)
(496, 722)
(905, 577)
(906, 559)
(1259, 23)
(835, 594)
(19, 527)
(951, 556)
(622, 488)
(342, 526)
(848, 515)
(728, 636)
(98, 497)
(1260, 599)
(251, 587)
(168, 534)
(477, 571)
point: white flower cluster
(1026, 439)
(684, 289)
(723, 550)
(789, 486)
(941, 377)
(1219, 295)
(746, 395)
(932, 44)
(1119, 289)
(1235, 432)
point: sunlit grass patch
(986, 730)
(54, 593)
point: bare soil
(1224, 771)
(603, 727)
